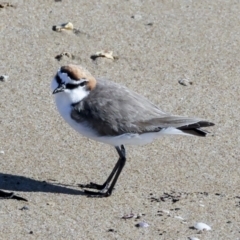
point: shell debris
(61, 55)
(104, 53)
(202, 226)
(6, 4)
(142, 225)
(185, 82)
(4, 78)
(179, 217)
(128, 216)
(64, 26)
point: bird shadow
(11, 182)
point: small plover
(111, 113)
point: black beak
(60, 88)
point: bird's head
(73, 82)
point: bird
(111, 113)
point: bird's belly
(123, 139)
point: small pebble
(4, 78)
(193, 238)
(202, 226)
(24, 208)
(142, 225)
(2, 152)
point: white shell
(4, 78)
(193, 238)
(67, 26)
(185, 82)
(202, 226)
(179, 217)
(142, 225)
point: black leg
(115, 173)
(101, 186)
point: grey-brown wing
(112, 110)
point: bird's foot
(11, 195)
(98, 194)
(104, 191)
(96, 186)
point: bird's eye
(83, 83)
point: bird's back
(112, 109)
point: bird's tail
(195, 128)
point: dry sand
(158, 43)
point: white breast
(64, 109)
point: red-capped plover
(111, 113)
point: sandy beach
(170, 184)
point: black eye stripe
(72, 86)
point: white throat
(65, 99)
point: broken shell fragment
(67, 54)
(104, 53)
(64, 26)
(6, 4)
(202, 226)
(127, 216)
(4, 78)
(142, 225)
(67, 26)
(185, 82)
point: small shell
(2, 152)
(166, 211)
(142, 225)
(104, 53)
(137, 17)
(127, 216)
(67, 54)
(202, 226)
(185, 82)
(24, 208)
(179, 217)
(193, 238)
(64, 26)
(4, 78)
(67, 26)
